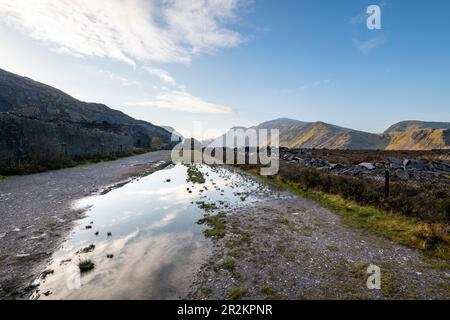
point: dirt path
(295, 249)
(36, 214)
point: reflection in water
(147, 242)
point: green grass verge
(431, 239)
(43, 166)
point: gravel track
(36, 214)
(293, 248)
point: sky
(216, 64)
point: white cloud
(184, 101)
(162, 75)
(371, 44)
(124, 81)
(131, 31)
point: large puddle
(143, 238)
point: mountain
(280, 124)
(404, 126)
(38, 122)
(419, 135)
(420, 139)
(176, 136)
(322, 135)
(408, 135)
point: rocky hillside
(414, 125)
(41, 123)
(408, 135)
(321, 135)
(420, 139)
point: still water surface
(147, 242)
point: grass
(205, 291)
(87, 249)
(244, 239)
(237, 293)
(37, 166)
(86, 266)
(332, 248)
(195, 175)
(207, 206)
(30, 258)
(287, 223)
(228, 265)
(236, 253)
(269, 293)
(428, 238)
(216, 224)
(285, 253)
(3, 259)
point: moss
(207, 206)
(237, 293)
(217, 225)
(51, 226)
(31, 257)
(87, 249)
(332, 248)
(195, 175)
(3, 259)
(227, 264)
(285, 253)
(359, 271)
(305, 231)
(243, 239)
(205, 291)
(86, 266)
(236, 253)
(214, 233)
(289, 225)
(269, 293)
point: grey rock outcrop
(41, 123)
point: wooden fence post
(386, 183)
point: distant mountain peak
(408, 125)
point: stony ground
(282, 247)
(295, 249)
(36, 214)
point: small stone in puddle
(46, 273)
(109, 234)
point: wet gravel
(293, 248)
(36, 214)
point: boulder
(367, 165)
(416, 165)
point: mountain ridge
(411, 135)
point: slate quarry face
(41, 123)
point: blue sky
(231, 62)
